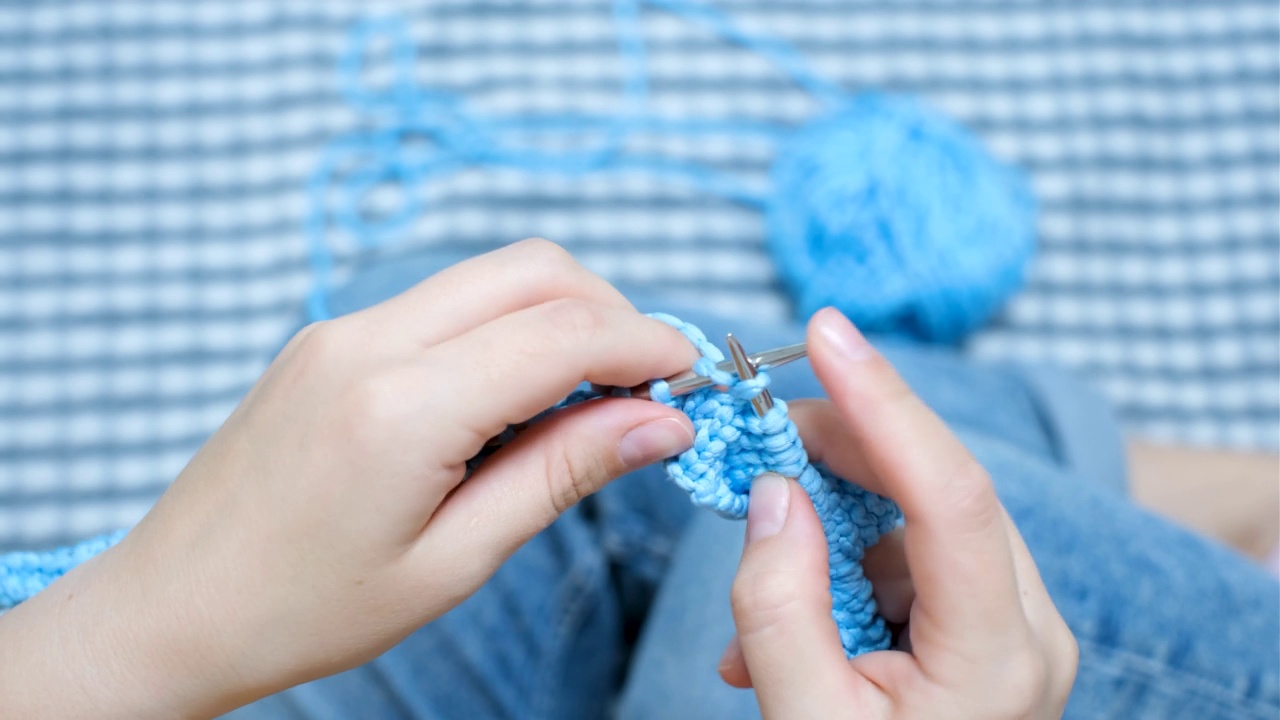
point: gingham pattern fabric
(153, 157)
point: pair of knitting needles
(746, 366)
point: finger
(733, 667)
(885, 565)
(516, 366)
(782, 607)
(1055, 635)
(822, 428)
(1034, 595)
(956, 545)
(473, 292)
(547, 469)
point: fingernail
(731, 653)
(767, 506)
(842, 335)
(653, 441)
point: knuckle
(306, 331)
(556, 272)
(1069, 662)
(571, 476)
(551, 265)
(319, 339)
(573, 322)
(970, 493)
(373, 404)
(762, 600)
(1023, 683)
(317, 351)
(545, 253)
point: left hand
(984, 637)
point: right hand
(984, 638)
(327, 518)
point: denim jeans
(621, 608)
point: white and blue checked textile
(154, 156)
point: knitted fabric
(733, 446)
(23, 574)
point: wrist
(110, 639)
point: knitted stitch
(733, 446)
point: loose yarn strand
(879, 205)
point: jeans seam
(577, 584)
(1186, 682)
(625, 545)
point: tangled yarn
(898, 217)
(733, 446)
(23, 574)
(880, 206)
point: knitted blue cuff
(733, 446)
(23, 574)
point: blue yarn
(899, 218)
(880, 206)
(733, 446)
(23, 574)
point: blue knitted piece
(880, 206)
(733, 446)
(23, 574)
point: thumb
(782, 607)
(544, 471)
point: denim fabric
(1169, 625)
(621, 607)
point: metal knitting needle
(763, 402)
(747, 367)
(688, 381)
(746, 370)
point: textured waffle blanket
(155, 158)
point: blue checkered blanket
(154, 158)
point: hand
(325, 520)
(983, 640)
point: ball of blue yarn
(898, 216)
